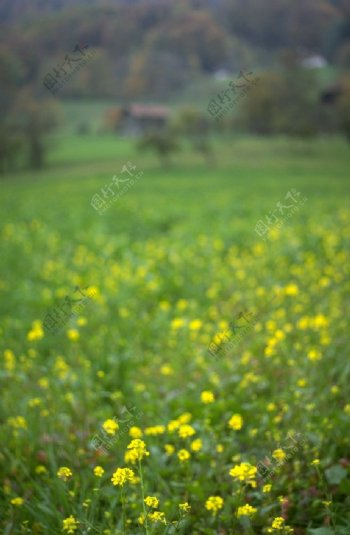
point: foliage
(172, 264)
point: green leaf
(320, 531)
(335, 474)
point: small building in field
(138, 119)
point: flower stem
(143, 497)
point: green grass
(172, 262)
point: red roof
(145, 111)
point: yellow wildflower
(110, 426)
(207, 397)
(122, 476)
(155, 430)
(246, 510)
(236, 422)
(40, 469)
(17, 501)
(183, 455)
(98, 471)
(135, 432)
(169, 449)
(151, 501)
(157, 516)
(73, 335)
(279, 454)
(244, 472)
(136, 451)
(214, 504)
(314, 355)
(278, 523)
(17, 422)
(70, 524)
(196, 445)
(64, 473)
(195, 325)
(36, 332)
(166, 370)
(186, 430)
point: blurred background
(168, 74)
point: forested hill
(159, 45)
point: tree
(284, 102)
(163, 144)
(343, 107)
(34, 119)
(193, 125)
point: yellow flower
(219, 448)
(267, 488)
(34, 402)
(36, 332)
(182, 304)
(43, 382)
(246, 510)
(207, 397)
(183, 455)
(98, 471)
(122, 476)
(155, 430)
(17, 501)
(314, 355)
(110, 426)
(10, 360)
(151, 501)
(291, 289)
(64, 473)
(195, 325)
(136, 451)
(17, 422)
(135, 432)
(214, 504)
(302, 382)
(244, 472)
(40, 469)
(173, 425)
(73, 334)
(157, 516)
(169, 449)
(185, 507)
(166, 370)
(141, 519)
(347, 408)
(278, 523)
(186, 430)
(236, 422)
(184, 418)
(177, 323)
(196, 445)
(70, 524)
(279, 454)
(315, 462)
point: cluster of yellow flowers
(244, 472)
(136, 451)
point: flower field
(171, 366)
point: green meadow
(173, 268)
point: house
(138, 119)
